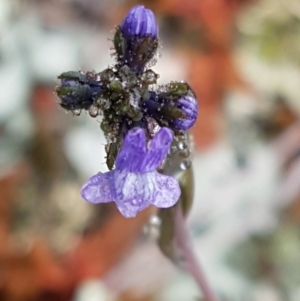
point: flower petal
(158, 150)
(133, 151)
(133, 192)
(97, 189)
(139, 22)
(189, 106)
(167, 191)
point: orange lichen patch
(216, 16)
(100, 250)
(19, 281)
(211, 76)
(207, 129)
(212, 71)
(33, 274)
(130, 296)
(8, 193)
(50, 273)
(293, 211)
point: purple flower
(140, 22)
(135, 184)
(136, 39)
(189, 106)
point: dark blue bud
(139, 22)
(77, 90)
(189, 106)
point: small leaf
(74, 75)
(172, 112)
(111, 155)
(119, 42)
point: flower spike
(139, 118)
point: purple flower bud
(139, 22)
(189, 106)
(136, 40)
(179, 113)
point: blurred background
(242, 59)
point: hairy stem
(193, 265)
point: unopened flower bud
(77, 90)
(189, 106)
(139, 22)
(180, 114)
(136, 38)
